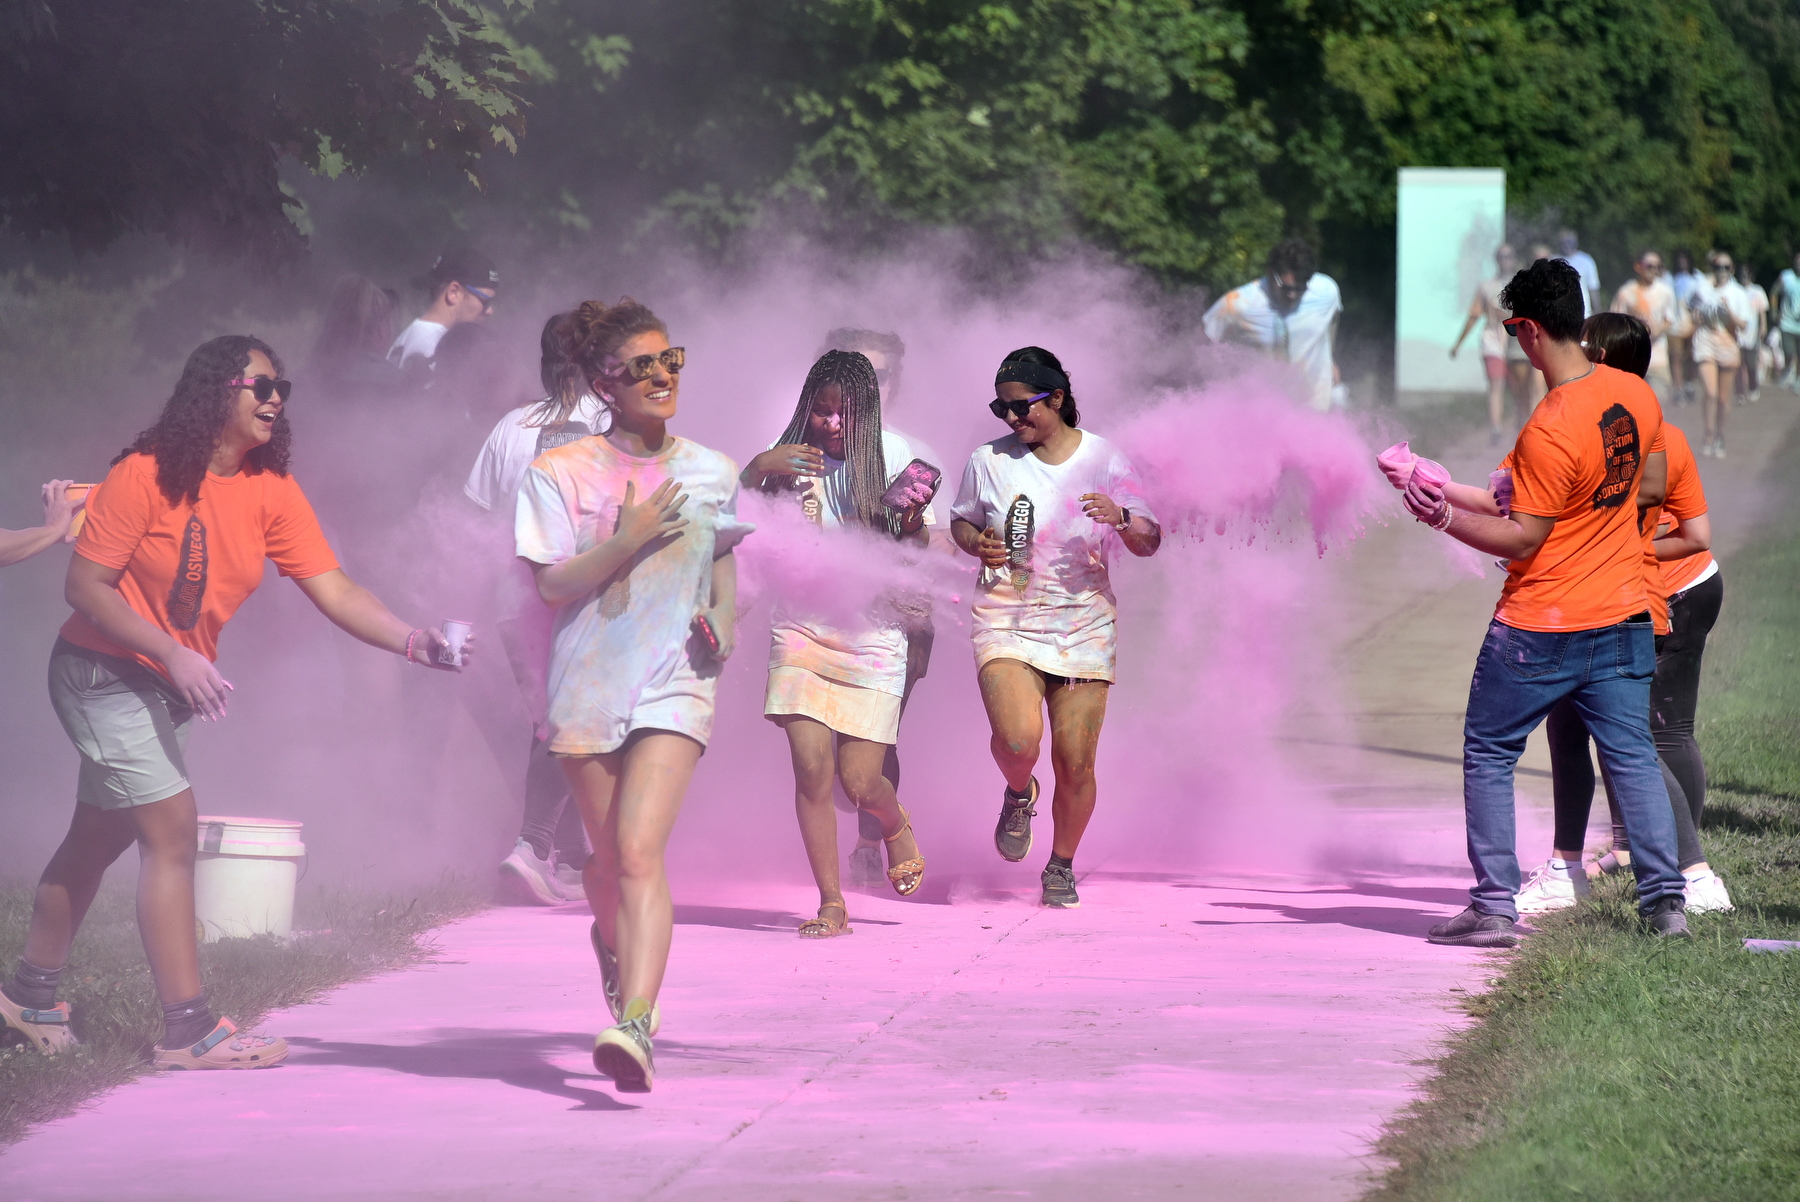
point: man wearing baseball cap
(463, 283)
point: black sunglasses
(1512, 325)
(642, 367)
(264, 388)
(1017, 409)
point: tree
(170, 119)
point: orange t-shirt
(189, 567)
(1578, 460)
(1687, 499)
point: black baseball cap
(466, 266)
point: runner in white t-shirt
(836, 692)
(1750, 338)
(1648, 297)
(630, 536)
(1720, 308)
(1496, 347)
(1044, 509)
(887, 355)
(1290, 314)
(544, 866)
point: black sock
(188, 1022)
(33, 987)
(1067, 862)
(1012, 796)
(540, 846)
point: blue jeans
(1519, 676)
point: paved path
(1176, 1037)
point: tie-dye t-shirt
(625, 657)
(1053, 606)
(871, 657)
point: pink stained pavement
(1171, 1038)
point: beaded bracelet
(410, 639)
(1444, 523)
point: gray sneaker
(526, 880)
(1667, 918)
(568, 881)
(1059, 888)
(866, 872)
(1012, 834)
(625, 1054)
(1472, 928)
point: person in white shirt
(630, 535)
(1044, 509)
(545, 866)
(1649, 298)
(1721, 309)
(1750, 338)
(1569, 251)
(836, 691)
(1497, 350)
(1787, 320)
(463, 283)
(887, 355)
(1291, 314)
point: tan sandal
(46, 1030)
(904, 877)
(823, 928)
(226, 1047)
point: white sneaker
(569, 885)
(526, 880)
(1550, 888)
(1706, 894)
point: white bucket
(245, 875)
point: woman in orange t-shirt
(174, 542)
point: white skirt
(846, 708)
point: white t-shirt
(1759, 304)
(1585, 267)
(1496, 343)
(625, 657)
(512, 445)
(1710, 302)
(1061, 620)
(871, 657)
(417, 341)
(1303, 337)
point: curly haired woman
(174, 542)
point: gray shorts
(127, 723)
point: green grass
(115, 1011)
(1609, 1065)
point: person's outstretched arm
(59, 512)
(361, 615)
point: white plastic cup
(455, 635)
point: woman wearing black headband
(1043, 509)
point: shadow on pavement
(1386, 920)
(512, 1059)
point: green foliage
(121, 117)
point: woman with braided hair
(630, 535)
(1044, 509)
(837, 692)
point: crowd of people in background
(1715, 336)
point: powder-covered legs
(1016, 696)
(629, 800)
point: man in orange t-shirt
(1574, 615)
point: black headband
(1037, 375)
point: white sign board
(1450, 220)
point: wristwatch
(1124, 520)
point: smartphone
(916, 472)
(707, 633)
